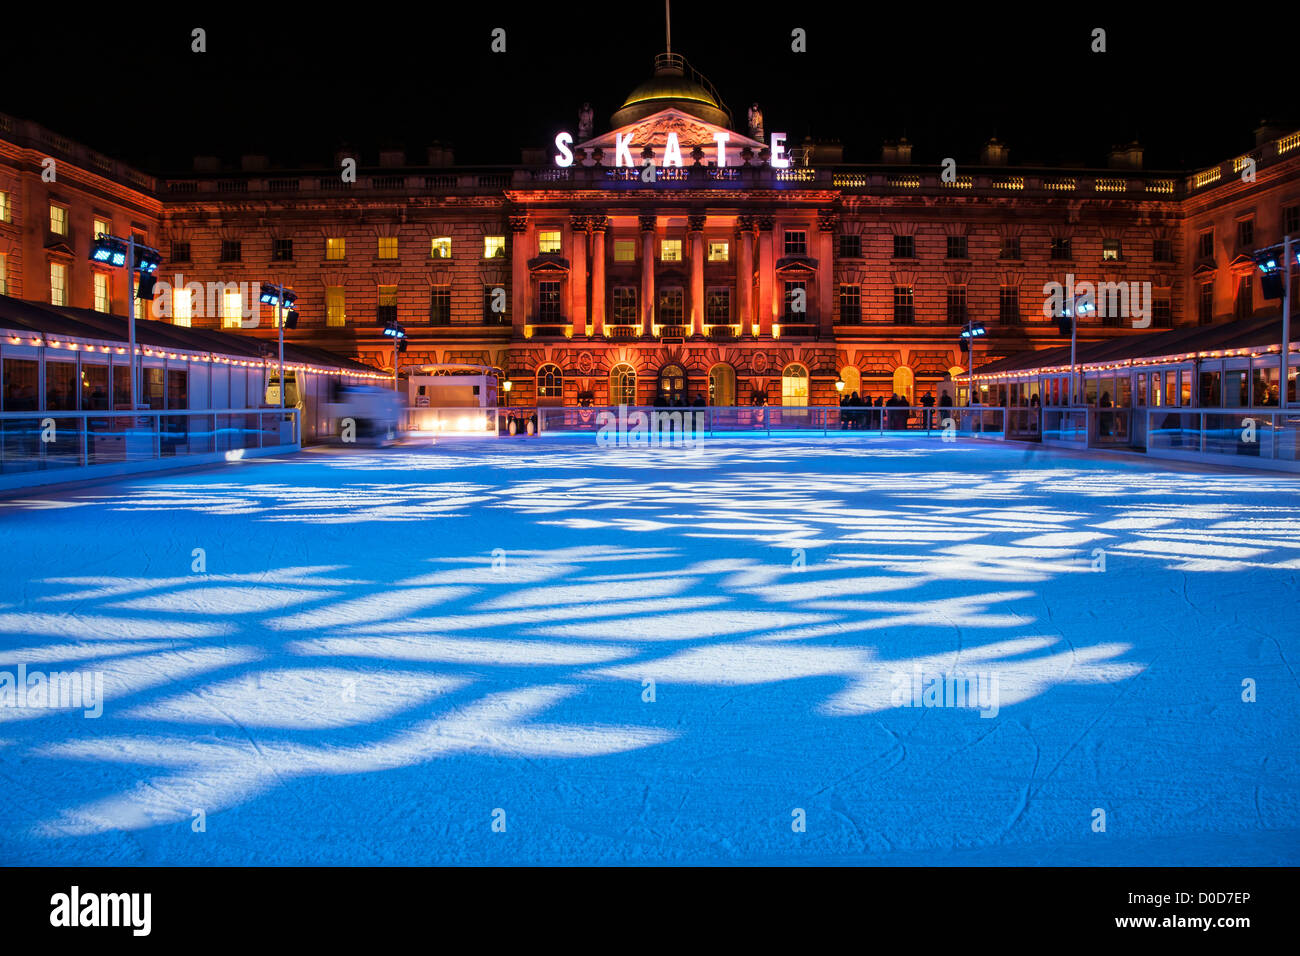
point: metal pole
(130, 315)
(1074, 338)
(668, 24)
(1286, 323)
(279, 320)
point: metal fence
(45, 441)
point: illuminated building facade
(726, 279)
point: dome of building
(674, 85)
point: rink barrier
(39, 448)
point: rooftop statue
(585, 117)
(755, 122)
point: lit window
(102, 299)
(5, 210)
(494, 247)
(548, 242)
(670, 250)
(622, 385)
(336, 312)
(232, 309)
(143, 307)
(4, 283)
(58, 220)
(388, 247)
(624, 250)
(1111, 250)
(440, 247)
(719, 251)
(100, 227)
(794, 385)
(58, 283)
(182, 307)
(336, 249)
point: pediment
(691, 131)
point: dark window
(850, 247)
(231, 250)
(957, 247)
(1061, 248)
(904, 247)
(625, 312)
(282, 250)
(550, 382)
(1245, 298)
(1290, 224)
(1205, 308)
(796, 242)
(1009, 305)
(796, 301)
(548, 301)
(386, 310)
(957, 304)
(180, 252)
(1205, 250)
(1010, 248)
(1246, 236)
(850, 304)
(1162, 250)
(1162, 312)
(440, 306)
(904, 307)
(490, 315)
(717, 307)
(672, 308)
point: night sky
(298, 87)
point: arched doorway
(672, 385)
(622, 385)
(904, 383)
(794, 385)
(722, 385)
(852, 379)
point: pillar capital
(695, 222)
(828, 220)
(766, 223)
(519, 223)
(647, 223)
(598, 222)
(579, 223)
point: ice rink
(796, 650)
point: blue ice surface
(441, 653)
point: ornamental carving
(695, 223)
(647, 223)
(519, 223)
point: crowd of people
(893, 413)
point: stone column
(695, 236)
(598, 226)
(745, 274)
(578, 274)
(767, 301)
(520, 246)
(647, 224)
(827, 221)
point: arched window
(722, 385)
(903, 382)
(550, 382)
(794, 385)
(622, 385)
(852, 379)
